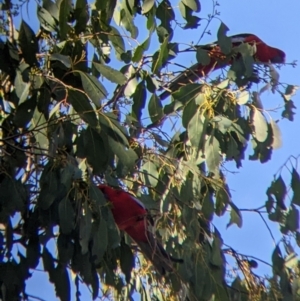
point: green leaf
(139, 101)
(222, 200)
(224, 41)
(46, 19)
(111, 74)
(149, 174)
(21, 87)
(92, 144)
(212, 155)
(260, 125)
(202, 56)
(66, 216)
(117, 41)
(155, 108)
(127, 20)
(82, 106)
(49, 187)
(194, 5)
(278, 189)
(187, 14)
(277, 260)
(64, 59)
(28, 43)
(33, 254)
(100, 240)
(139, 51)
(62, 283)
(187, 93)
(277, 140)
(65, 248)
(147, 6)
(81, 14)
(161, 57)
(48, 261)
(295, 184)
(216, 256)
(243, 97)
(85, 228)
(51, 8)
(25, 112)
(235, 216)
(188, 112)
(127, 261)
(118, 142)
(222, 123)
(64, 12)
(93, 88)
(292, 219)
(196, 131)
(208, 207)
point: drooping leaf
(292, 219)
(21, 87)
(189, 111)
(93, 146)
(62, 283)
(196, 130)
(278, 189)
(161, 57)
(295, 184)
(93, 88)
(52, 8)
(243, 98)
(212, 155)
(28, 44)
(81, 15)
(33, 254)
(85, 228)
(25, 112)
(194, 5)
(277, 140)
(277, 260)
(149, 174)
(235, 216)
(64, 12)
(100, 240)
(224, 41)
(139, 100)
(202, 56)
(117, 41)
(46, 19)
(222, 201)
(147, 6)
(111, 74)
(127, 261)
(83, 107)
(64, 59)
(155, 108)
(66, 216)
(260, 125)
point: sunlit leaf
(260, 125)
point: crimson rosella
(131, 216)
(264, 54)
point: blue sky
(276, 23)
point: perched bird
(264, 54)
(132, 217)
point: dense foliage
(69, 120)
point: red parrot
(131, 216)
(264, 54)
